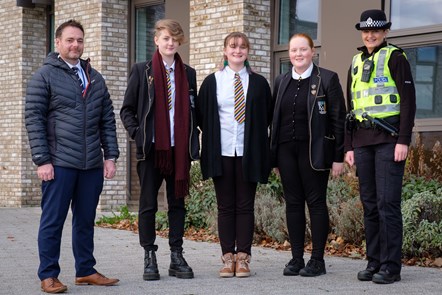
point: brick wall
(21, 50)
(105, 25)
(211, 21)
(106, 43)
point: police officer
(380, 86)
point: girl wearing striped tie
(234, 113)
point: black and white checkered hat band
(370, 23)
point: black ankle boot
(150, 266)
(179, 267)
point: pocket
(329, 150)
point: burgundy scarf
(164, 159)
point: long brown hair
(235, 36)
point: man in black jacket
(71, 127)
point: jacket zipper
(147, 113)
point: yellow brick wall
(212, 21)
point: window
(50, 28)
(426, 65)
(299, 16)
(416, 27)
(145, 18)
(144, 14)
(293, 16)
(411, 13)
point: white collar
(232, 73)
(171, 67)
(304, 75)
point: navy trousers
(81, 190)
(380, 185)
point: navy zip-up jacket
(66, 127)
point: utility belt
(367, 124)
(386, 124)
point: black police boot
(367, 274)
(178, 266)
(385, 277)
(150, 266)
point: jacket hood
(53, 59)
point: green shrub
(161, 220)
(123, 214)
(422, 215)
(270, 218)
(350, 225)
(201, 203)
(345, 208)
(417, 184)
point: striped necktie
(240, 105)
(76, 70)
(169, 88)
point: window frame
(413, 38)
(135, 4)
(280, 52)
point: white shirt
(304, 75)
(81, 73)
(232, 133)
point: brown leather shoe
(96, 279)
(53, 285)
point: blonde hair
(174, 28)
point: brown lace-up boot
(242, 265)
(228, 270)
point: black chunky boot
(179, 267)
(150, 266)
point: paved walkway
(119, 255)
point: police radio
(367, 68)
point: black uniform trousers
(236, 207)
(150, 182)
(380, 185)
(302, 184)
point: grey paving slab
(119, 255)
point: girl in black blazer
(307, 141)
(235, 148)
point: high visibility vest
(378, 97)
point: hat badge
(369, 21)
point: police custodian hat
(373, 19)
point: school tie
(75, 69)
(169, 88)
(240, 105)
